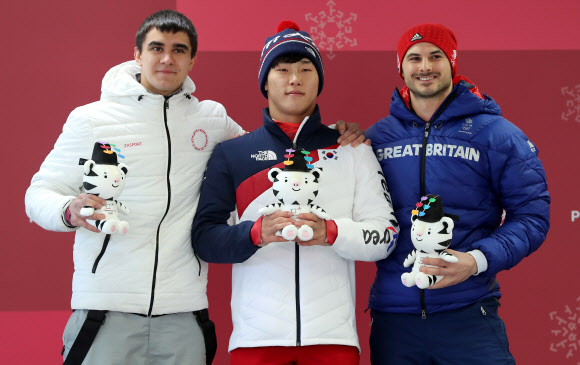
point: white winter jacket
(166, 144)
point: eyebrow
(302, 62)
(417, 54)
(175, 45)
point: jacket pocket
(103, 249)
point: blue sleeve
(212, 238)
(519, 180)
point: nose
(419, 231)
(116, 180)
(295, 79)
(425, 65)
(295, 183)
(167, 58)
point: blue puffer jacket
(480, 164)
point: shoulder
(357, 157)
(210, 108)
(500, 135)
(385, 130)
(246, 142)
(87, 109)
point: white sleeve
(233, 129)
(480, 260)
(60, 177)
(371, 234)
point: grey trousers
(127, 339)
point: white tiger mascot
(105, 178)
(431, 234)
(295, 187)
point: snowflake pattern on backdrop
(572, 109)
(332, 29)
(565, 334)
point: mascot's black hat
(430, 209)
(299, 161)
(103, 154)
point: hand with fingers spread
(351, 133)
(86, 202)
(272, 224)
(318, 226)
(454, 272)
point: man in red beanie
(444, 137)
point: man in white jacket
(140, 297)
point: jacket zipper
(98, 259)
(434, 117)
(423, 158)
(153, 282)
(297, 276)
(297, 279)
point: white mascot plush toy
(105, 178)
(431, 234)
(295, 187)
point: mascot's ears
(123, 167)
(447, 224)
(446, 221)
(88, 167)
(273, 173)
(317, 171)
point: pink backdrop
(524, 55)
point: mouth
(425, 78)
(295, 189)
(115, 186)
(295, 93)
(167, 72)
(417, 238)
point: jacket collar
(309, 125)
(464, 99)
(121, 80)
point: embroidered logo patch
(416, 37)
(466, 126)
(199, 139)
(132, 144)
(264, 156)
(328, 154)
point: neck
(290, 117)
(425, 107)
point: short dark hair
(287, 58)
(167, 21)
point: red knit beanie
(435, 34)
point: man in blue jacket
(444, 137)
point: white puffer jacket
(166, 143)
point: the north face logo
(416, 37)
(264, 156)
